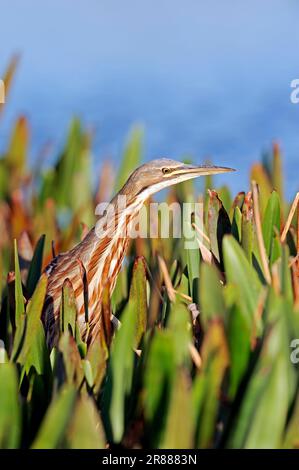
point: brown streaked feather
(98, 254)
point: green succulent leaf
(10, 409)
(52, 432)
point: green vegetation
(164, 379)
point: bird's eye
(166, 171)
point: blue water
(207, 79)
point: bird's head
(161, 173)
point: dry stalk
(295, 205)
(167, 280)
(259, 233)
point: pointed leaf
(19, 299)
(35, 266)
(53, 428)
(10, 410)
(139, 296)
(86, 430)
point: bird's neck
(111, 237)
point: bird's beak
(202, 170)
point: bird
(100, 258)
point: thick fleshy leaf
(191, 252)
(271, 222)
(179, 427)
(33, 352)
(138, 295)
(257, 426)
(237, 224)
(85, 430)
(244, 279)
(10, 409)
(120, 372)
(285, 275)
(72, 365)
(239, 342)
(211, 295)
(52, 431)
(95, 364)
(291, 438)
(19, 299)
(218, 224)
(68, 309)
(35, 269)
(206, 388)
(159, 375)
(247, 227)
(180, 325)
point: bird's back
(90, 265)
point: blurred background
(204, 79)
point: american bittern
(102, 257)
